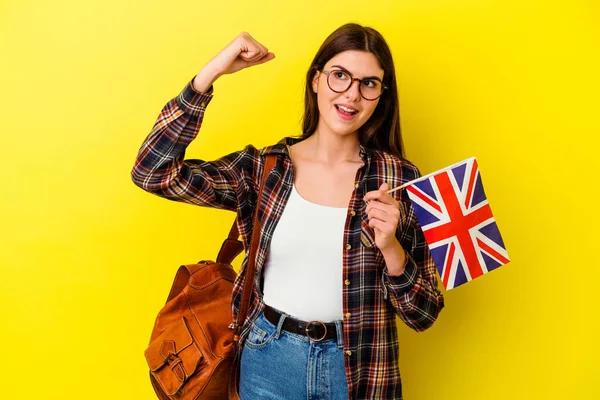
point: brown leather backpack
(193, 351)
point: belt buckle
(324, 330)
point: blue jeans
(280, 365)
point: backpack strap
(231, 246)
(230, 249)
(182, 278)
(251, 266)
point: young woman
(339, 257)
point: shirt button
(348, 315)
(353, 213)
(203, 105)
(348, 246)
(347, 282)
(348, 353)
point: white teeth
(347, 109)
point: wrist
(395, 258)
(205, 78)
(393, 248)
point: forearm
(205, 79)
(412, 288)
(161, 153)
(395, 258)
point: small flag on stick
(457, 221)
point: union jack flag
(458, 224)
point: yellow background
(87, 258)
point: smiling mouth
(345, 110)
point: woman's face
(344, 113)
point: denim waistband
(283, 318)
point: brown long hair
(382, 130)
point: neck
(334, 149)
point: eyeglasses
(339, 81)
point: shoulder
(402, 169)
(280, 147)
(255, 157)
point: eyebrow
(366, 77)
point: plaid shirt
(371, 297)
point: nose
(353, 91)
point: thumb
(384, 187)
(267, 57)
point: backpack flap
(173, 357)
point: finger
(267, 57)
(264, 51)
(250, 54)
(261, 50)
(378, 214)
(382, 197)
(381, 226)
(383, 204)
(386, 213)
(378, 205)
(372, 195)
(254, 42)
(259, 53)
(389, 218)
(382, 189)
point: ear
(315, 81)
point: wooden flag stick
(399, 187)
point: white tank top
(303, 270)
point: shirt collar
(281, 148)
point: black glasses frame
(352, 79)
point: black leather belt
(315, 330)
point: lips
(346, 109)
(346, 112)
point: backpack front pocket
(173, 357)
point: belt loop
(282, 318)
(339, 330)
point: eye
(341, 75)
(370, 84)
